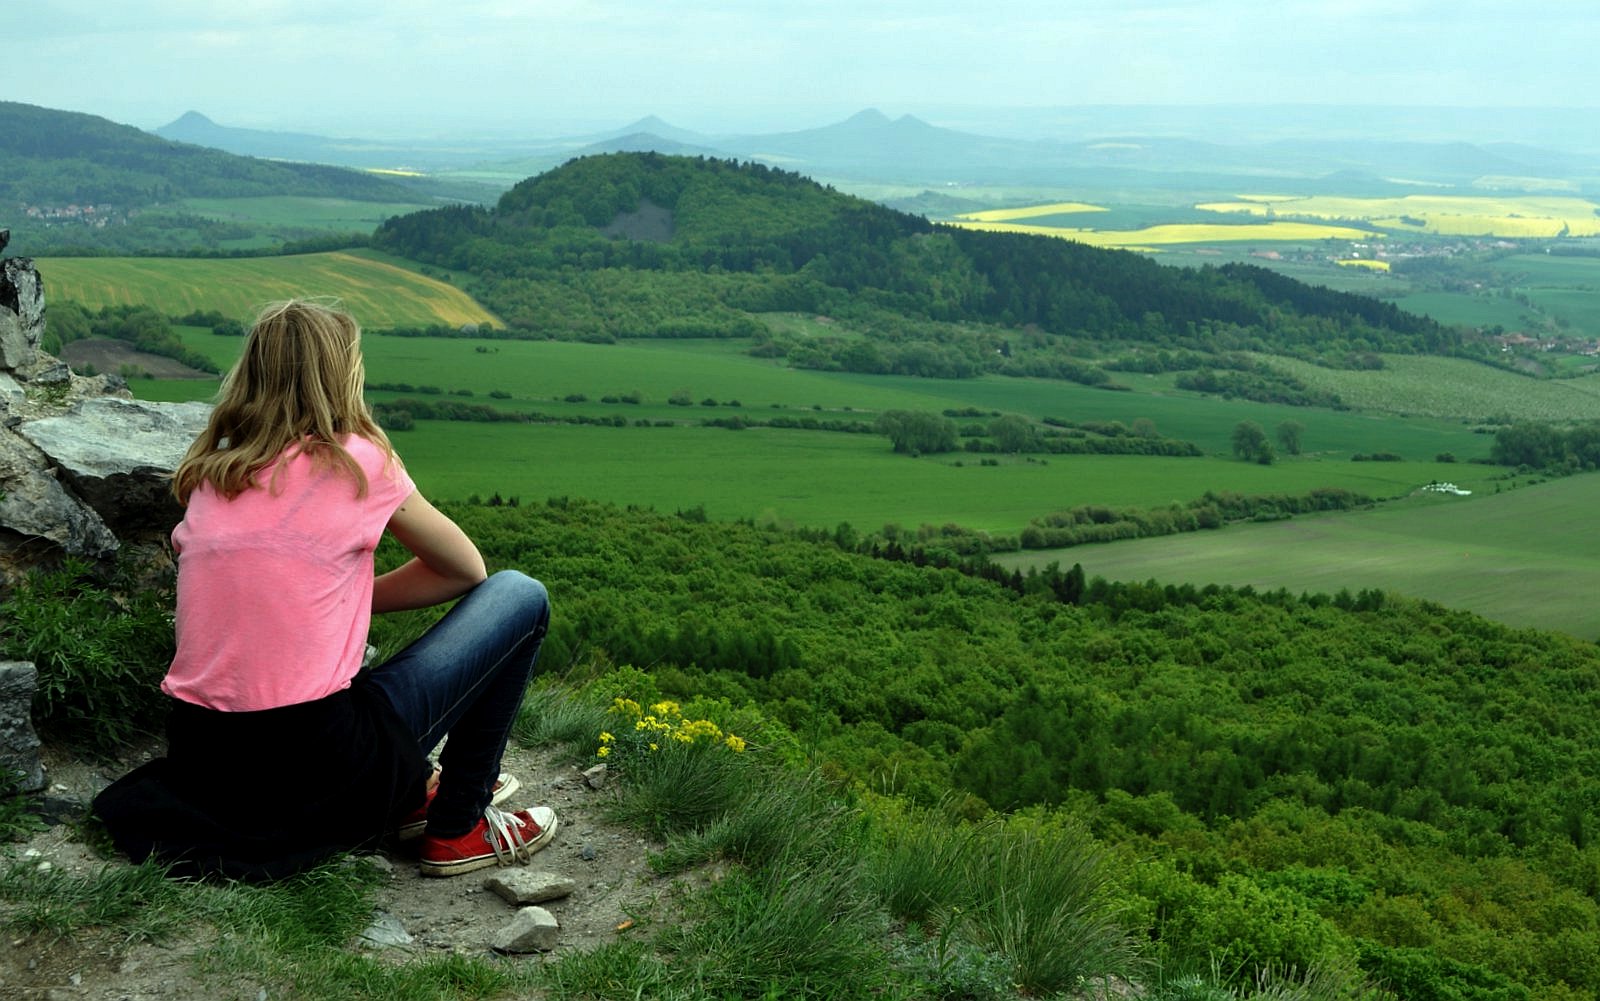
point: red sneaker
(499, 839)
(417, 820)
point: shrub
(100, 648)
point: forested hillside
(638, 245)
(1288, 779)
(51, 158)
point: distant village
(1394, 251)
(95, 216)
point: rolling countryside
(1273, 591)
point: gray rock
(21, 312)
(384, 932)
(37, 508)
(594, 776)
(522, 886)
(117, 455)
(19, 745)
(534, 929)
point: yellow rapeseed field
(1364, 262)
(1446, 215)
(1030, 212)
(1181, 233)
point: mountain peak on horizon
(867, 116)
(190, 118)
(649, 123)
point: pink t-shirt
(275, 586)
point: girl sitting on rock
(282, 748)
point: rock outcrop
(82, 466)
(83, 472)
(19, 745)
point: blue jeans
(466, 677)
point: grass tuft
(556, 715)
(139, 900)
(920, 866)
(780, 815)
(1049, 909)
(797, 929)
(680, 788)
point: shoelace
(505, 836)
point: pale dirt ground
(608, 863)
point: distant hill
(650, 125)
(194, 127)
(1139, 150)
(646, 142)
(51, 158)
(734, 239)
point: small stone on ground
(523, 886)
(534, 929)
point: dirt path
(607, 862)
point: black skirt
(267, 794)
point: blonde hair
(298, 384)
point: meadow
(1452, 387)
(1518, 556)
(380, 291)
(270, 212)
(817, 478)
(1418, 408)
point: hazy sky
(384, 67)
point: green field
(1452, 387)
(539, 373)
(1462, 309)
(1416, 407)
(1528, 556)
(333, 214)
(820, 478)
(380, 291)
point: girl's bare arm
(445, 562)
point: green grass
(1458, 308)
(816, 479)
(1453, 388)
(1518, 557)
(821, 479)
(1550, 270)
(380, 292)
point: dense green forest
(639, 245)
(1286, 778)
